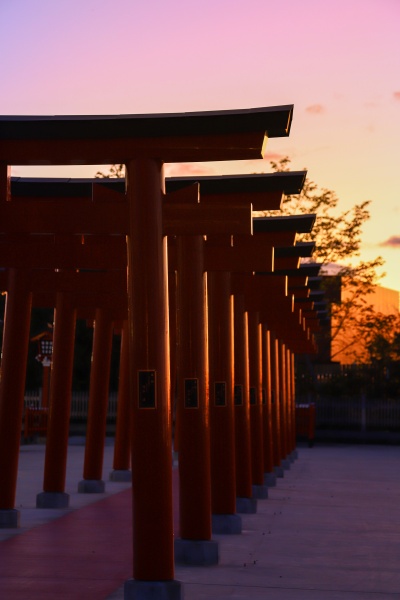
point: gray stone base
(295, 455)
(52, 500)
(9, 518)
(246, 505)
(121, 475)
(230, 524)
(260, 491)
(91, 486)
(286, 464)
(279, 471)
(270, 479)
(154, 590)
(196, 552)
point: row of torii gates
(212, 305)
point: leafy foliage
(337, 237)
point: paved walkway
(329, 530)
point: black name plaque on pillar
(253, 397)
(220, 393)
(238, 394)
(191, 393)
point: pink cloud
(186, 169)
(396, 96)
(392, 242)
(315, 109)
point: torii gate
(143, 144)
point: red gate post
(284, 405)
(194, 546)
(122, 445)
(291, 413)
(12, 390)
(260, 490)
(245, 502)
(269, 475)
(223, 476)
(55, 466)
(92, 482)
(153, 561)
(276, 419)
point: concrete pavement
(329, 530)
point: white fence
(79, 403)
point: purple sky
(337, 61)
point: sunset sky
(337, 61)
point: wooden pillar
(153, 558)
(12, 389)
(192, 406)
(55, 466)
(98, 404)
(276, 422)
(122, 445)
(221, 353)
(267, 405)
(242, 399)
(255, 356)
(283, 400)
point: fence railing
(339, 412)
(79, 404)
(357, 413)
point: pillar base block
(286, 464)
(229, 524)
(279, 471)
(91, 486)
(260, 491)
(52, 500)
(9, 518)
(270, 479)
(156, 590)
(196, 552)
(121, 475)
(246, 505)
(295, 455)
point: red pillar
(242, 400)
(193, 413)
(149, 368)
(223, 476)
(12, 389)
(257, 442)
(98, 404)
(276, 422)
(283, 402)
(267, 409)
(122, 445)
(55, 466)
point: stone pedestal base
(91, 486)
(279, 471)
(246, 505)
(52, 500)
(9, 518)
(156, 590)
(286, 464)
(196, 552)
(229, 524)
(121, 475)
(260, 491)
(270, 479)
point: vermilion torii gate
(143, 144)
